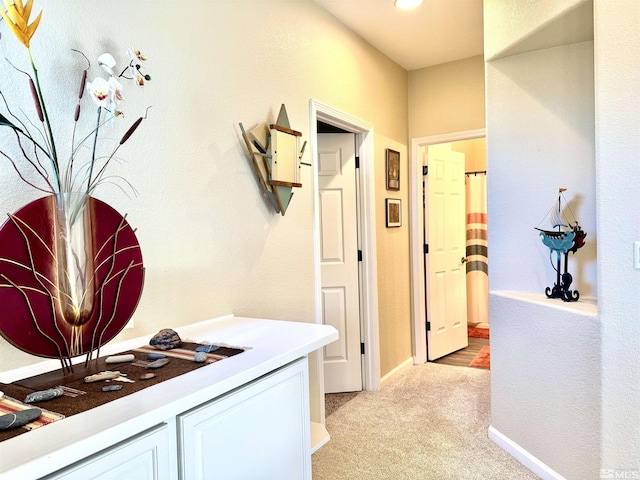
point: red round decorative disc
(30, 314)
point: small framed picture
(393, 170)
(394, 212)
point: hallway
(428, 421)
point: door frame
(416, 235)
(367, 218)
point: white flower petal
(107, 62)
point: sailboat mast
(560, 190)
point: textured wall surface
(545, 390)
(617, 67)
(447, 98)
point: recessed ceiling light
(407, 4)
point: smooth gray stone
(207, 348)
(111, 388)
(156, 356)
(18, 419)
(158, 363)
(165, 339)
(200, 357)
(44, 395)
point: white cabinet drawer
(259, 431)
(146, 456)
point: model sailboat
(562, 238)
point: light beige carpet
(428, 422)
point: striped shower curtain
(477, 263)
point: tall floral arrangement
(85, 262)
(35, 140)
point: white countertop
(272, 343)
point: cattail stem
(83, 82)
(36, 100)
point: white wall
(617, 80)
(211, 244)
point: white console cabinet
(245, 417)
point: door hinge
(357, 162)
(428, 326)
(426, 248)
(361, 348)
(425, 170)
(359, 255)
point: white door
(339, 260)
(446, 295)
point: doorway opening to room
(449, 248)
(347, 303)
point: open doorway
(368, 293)
(417, 244)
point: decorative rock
(112, 388)
(120, 358)
(147, 376)
(44, 395)
(158, 363)
(207, 348)
(101, 376)
(18, 419)
(165, 339)
(156, 356)
(200, 357)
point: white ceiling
(438, 31)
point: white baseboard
(523, 456)
(407, 363)
(319, 436)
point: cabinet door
(143, 457)
(260, 431)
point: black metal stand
(563, 282)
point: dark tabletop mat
(95, 397)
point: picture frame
(393, 169)
(394, 212)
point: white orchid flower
(134, 55)
(100, 91)
(116, 90)
(107, 62)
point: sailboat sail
(556, 219)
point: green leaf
(4, 121)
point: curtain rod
(476, 172)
